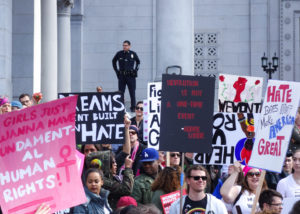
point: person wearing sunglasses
(137, 121)
(131, 147)
(174, 158)
(196, 199)
(241, 196)
(270, 202)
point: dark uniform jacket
(126, 60)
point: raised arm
(126, 146)
(229, 189)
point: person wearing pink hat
(241, 196)
(5, 105)
(126, 201)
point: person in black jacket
(126, 71)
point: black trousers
(131, 84)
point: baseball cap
(149, 154)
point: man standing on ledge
(129, 64)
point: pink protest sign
(38, 162)
(168, 199)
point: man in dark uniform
(129, 64)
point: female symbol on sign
(65, 152)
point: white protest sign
(233, 135)
(276, 124)
(240, 93)
(145, 120)
(154, 107)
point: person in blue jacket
(96, 196)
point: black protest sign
(99, 117)
(187, 113)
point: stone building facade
(230, 36)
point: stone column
(64, 45)
(5, 47)
(49, 50)
(174, 36)
(77, 45)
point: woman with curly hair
(167, 181)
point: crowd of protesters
(132, 178)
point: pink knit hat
(126, 201)
(247, 168)
(3, 100)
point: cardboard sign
(38, 161)
(187, 113)
(276, 125)
(145, 120)
(231, 139)
(168, 199)
(154, 107)
(99, 117)
(240, 93)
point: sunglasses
(251, 174)
(197, 178)
(139, 108)
(132, 133)
(277, 205)
(174, 154)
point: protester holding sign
(241, 197)
(290, 186)
(96, 196)
(43, 209)
(167, 181)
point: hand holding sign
(43, 209)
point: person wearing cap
(242, 196)
(5, 105)
(16, 105)
(131, 147)
(142, 184)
